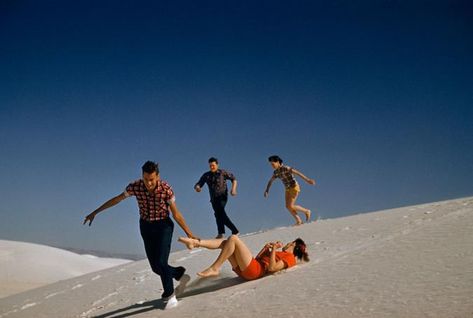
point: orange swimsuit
(254, 270)
(258, 267)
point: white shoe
(171, 303)
(182, 284)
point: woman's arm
(263, 251)
(266, 192)
(275, 266)
(308, 180)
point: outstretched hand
(89, 218)
(266, 193)
(192, 236)
(311, 181)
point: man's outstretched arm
(113, 201)
(177, 215)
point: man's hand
(266, 193)
(89, 218)
(192, 236)
(197, 188)
(233, 192)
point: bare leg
(293, 208)
(307, 212)
(233, 250)
(290, 200)
(211, 244)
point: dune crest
(413, 261)
(25, 266)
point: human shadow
(195, 287)
(205, 285)
(134, 309)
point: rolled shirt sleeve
(228, 175)
(130, 189)
(170, 197)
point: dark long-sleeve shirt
(217, 182)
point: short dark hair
(150, 167)
(275, 159)
(213, 159)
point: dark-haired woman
(292, 189)
(233, 249)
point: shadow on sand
(195, 287)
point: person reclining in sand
(268, 260)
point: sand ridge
(412, 261)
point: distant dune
(25, 266)
(412, 261)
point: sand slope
(25, 266)
(408, 262)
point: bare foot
(307, 216)
(209, 272)
(190, 243)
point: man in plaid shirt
(155, 198)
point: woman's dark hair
(213, 159)
(275, 159)
(300, 250)
(150, 167)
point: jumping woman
(292, 189)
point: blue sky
(373, 100)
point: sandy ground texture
(25, 266)
(413, 261)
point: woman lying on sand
(243, 263)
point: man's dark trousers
(157, 237)
(218, 204)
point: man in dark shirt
(216, 180)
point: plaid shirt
(285, 174)
(217, 182)
(153, 206)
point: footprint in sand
(28, 306)
(55, 294)
(140, 279)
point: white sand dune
(408, 262)
(25, 266)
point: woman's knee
(233, 238)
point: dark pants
(157, 238)
(218, 204)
